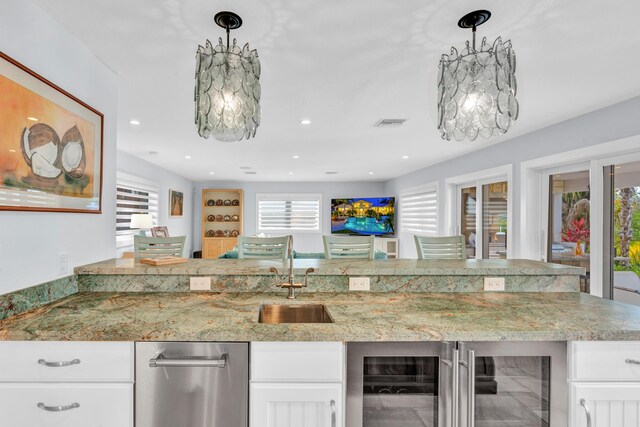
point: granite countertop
(395, 267)
(360, 316)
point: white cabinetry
(604, 382)
(70, 384)
(296, 384)
(388, 245)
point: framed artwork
(50, 145)
(161, 231)
(176, 203)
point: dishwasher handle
(160, 361)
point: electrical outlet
(494, 283)
(359, 283)
(200, 283)
(63, 263)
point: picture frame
(160, 231)
(176, 203)
(51, 145)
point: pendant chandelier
(477, 88)
(227, 92)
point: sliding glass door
(569, 221)
(482, 219)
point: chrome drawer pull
(160, 361)
(58, 408)
(633, 361)
(587, 411)
(58, 364)
(333, 412)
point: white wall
(31, 242)
(608, 124)
(302, 242)
(164, 180)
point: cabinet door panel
(610, 404)
(296, 405)
(99, 405)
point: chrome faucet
(291, 285)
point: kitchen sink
(294, 313)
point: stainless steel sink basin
(294, 313)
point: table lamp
(142, 221)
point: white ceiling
(344, 65)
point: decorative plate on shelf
(235, 218)
(211, 218)
(219, 202)
(227, 218)
(219, 217)
(235, 202)
(210, 202)
(234, 233)
(227, 202)
(210, 233)
(227, 233)
(219, 233)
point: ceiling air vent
(389, 123)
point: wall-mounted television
(364, 216)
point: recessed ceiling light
(212, 173)
(305, 122)
(134, 122)
(12, 151)
(370, 173)
(618, 167)
(250, 173)
(295, 157)
(187, 157)
(405, 157)
(33, 119)
(331, 173)
(153, 153)
(290, 173)
(245, 167)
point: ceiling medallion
(227, 92)
(477, 88)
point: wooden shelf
(212, 246)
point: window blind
(133, 197)
(419, 212)
(300, 213)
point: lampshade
(227, 92)
(477, 87)
(141, 221)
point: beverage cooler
(456, 384)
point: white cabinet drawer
(37, 361)
(296, 361)
(604, 361)
(296, 405)
(609, 404)
(98, 405)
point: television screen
(364, 216)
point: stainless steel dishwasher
(192, 384)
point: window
(419, 211)
(133, 195)
(288, 212)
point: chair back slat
(452, 247)
(153, 247)
(352, 247)
(263, 247)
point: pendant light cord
(473, 30)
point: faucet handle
(309, 270)
(275, 271)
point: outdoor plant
(578, 231)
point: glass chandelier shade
(477, 91)
(227, 91)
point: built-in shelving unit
(221, 221)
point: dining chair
(452, 247)
(152, 247)
(351, 247)
(263, 247)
